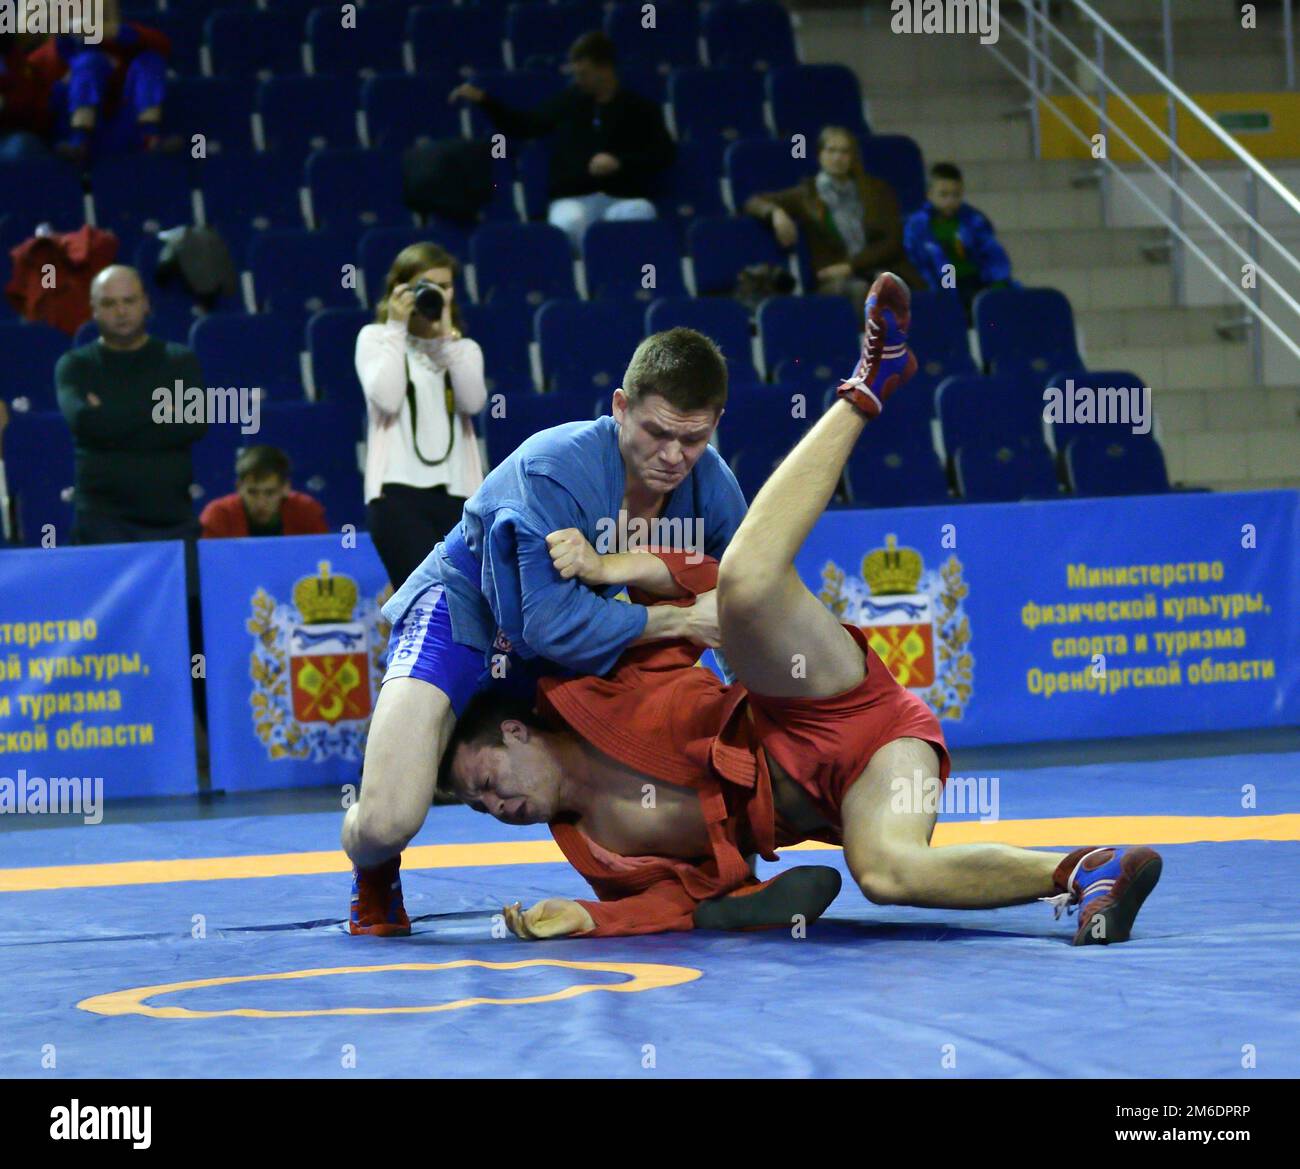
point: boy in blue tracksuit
(490, 606)
(951, 243)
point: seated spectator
(24, 100)
(952, 244)
(851, 218)
(263, 503)
(607, 143)
(133, 473)
(106, 96)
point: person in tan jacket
(852, 220)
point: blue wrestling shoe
(377, 905)
(886, 361)
(1107, 886)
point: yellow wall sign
(1266, 125)
(640, 976)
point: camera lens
(429, 300)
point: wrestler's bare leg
(778, 638)
(412, 724)
(887, 831)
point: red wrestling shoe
(377, 906)
(886, 361)
(1108, 886)
(804, 891)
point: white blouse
(384, 355)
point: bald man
(133, 469)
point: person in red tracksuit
(657, 779)
(264, 504)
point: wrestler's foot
(803, 892)
(886, 361)
(377, 906)
(1107, 886)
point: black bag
(198, 256)
(757, 282)
(450, 178)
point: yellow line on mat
(1062, 833)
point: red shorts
(825, 744)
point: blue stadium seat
(585, 346)
(38, 191)
(212, 460)
(896, 158)
(302, 271)
(715, 104)
(648, 81)
(522, 263)
(988, 412)
(616, 254)
(540, 34)
(748, 405)
(759, 441)
(357, 187)
(523, 415)
(532, 172)
(380, 245)
(250, 43)
(504, 333)
(400, 109)
(724, 321)
(32, 348)
(502, 208)
(720, 248)
(236, 349)
(759, 165)
(141, 194)
(321, 439)
(908, 422)
(456, 41)
(1020, 469)
(880, 474)
(804, 98)
(674, 40)
(1026, 329)
(521, 89)
(689, 189)
(748, 33)
(219, 108)
(183, 26)
(38, 456)
(332, 343)
(938, 335)
(1104, 383)
(808, 338)
(301, 114)
(372, 42)
(1111, 464)
(245, 194)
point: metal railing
(1041, 78)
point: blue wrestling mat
(217, 947)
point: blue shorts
(422, 646)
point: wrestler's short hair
(680, 365)
(480, 726)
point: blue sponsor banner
(294, 643)
(95, 669)
(1085, 618)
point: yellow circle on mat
(642, 976)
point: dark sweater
(628, 126)
(128, 465)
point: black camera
(429, 300)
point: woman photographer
(423, 382)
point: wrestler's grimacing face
(517, 783)
(659, 443)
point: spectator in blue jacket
(951, 243)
